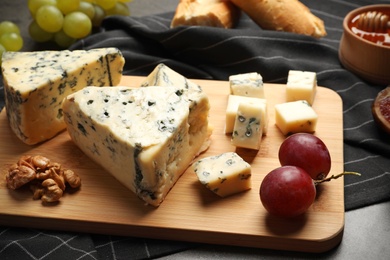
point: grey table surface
(366, 232)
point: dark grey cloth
(212, 53)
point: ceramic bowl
(365, 58)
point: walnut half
(18, 176)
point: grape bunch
(10, 38)
(65, 21)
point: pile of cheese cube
(296, 114)
(247, 115)
(247, 121)
(246, 112)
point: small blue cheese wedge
(247, 84)
(35, 83)
(248, 130)
(224, 174)
(294, 117)
(301, 85)
(164, 76)
(232, 107)
(141, 136)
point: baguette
(283, 15)
(215, 13)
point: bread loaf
(283, 15)
(216, 13)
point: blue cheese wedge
(139, 135)
(35, 84)
(232, 107)
(295, 117)
(248, 130)
(301, 85)
(164, 76)
(224, 174)
(247, 84)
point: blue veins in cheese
(295, 116)
(139, 135)
(35, 84)
(247, 84)
(224, 174)
(248, 131)
(301, 85)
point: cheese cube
(301, 85)
(35, 83)
(247, 84)
(295, 117)
(224, 174)
(232, 107)
(248, 131)
(140, 136)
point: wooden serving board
(190, 212)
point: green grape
(63, 40)
(68, 6)
(34, 5)
(87, 8)
(2, 49)
(38, 34)
(11, 41)
(106, 4)
(99, 16)
(49, 18)
(119, 9)
(77, 25)
(8, 27)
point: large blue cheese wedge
(35, 84)
(139, 135)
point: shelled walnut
(47, 180)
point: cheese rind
(224, 174)
(247, 84)
(295, 117)
(140, 136)
(232, 107)
(248, 130)
(301, 85)
(35, 84)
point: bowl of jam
(365, 43)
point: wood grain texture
(190, 212)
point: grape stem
(336, 177)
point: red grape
(287, 191)
(307, 152)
